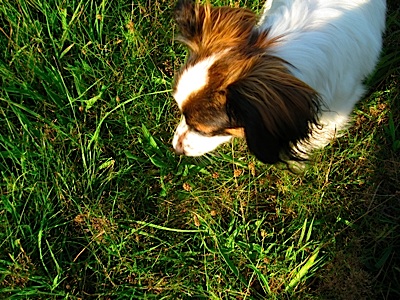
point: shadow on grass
(366, 264)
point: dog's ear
(275, 108)
(189, 17)
(211, 30)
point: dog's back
(331, 45)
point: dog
(286, 81)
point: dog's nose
(178, 148)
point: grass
(94, 204)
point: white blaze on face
(192, 80)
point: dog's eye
(202, 132)
(209, 133)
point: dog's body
(286, 82)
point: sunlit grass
(95, 204)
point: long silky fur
(207, 30)
(276, 110)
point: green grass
(94, 204)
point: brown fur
(276, 109)
(207, 30)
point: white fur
(331, 45)
(193, 79)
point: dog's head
(231, 85)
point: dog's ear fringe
(183, 12)
(189, 16)
(277, 110)
(206, 29)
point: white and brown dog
(286, 81)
